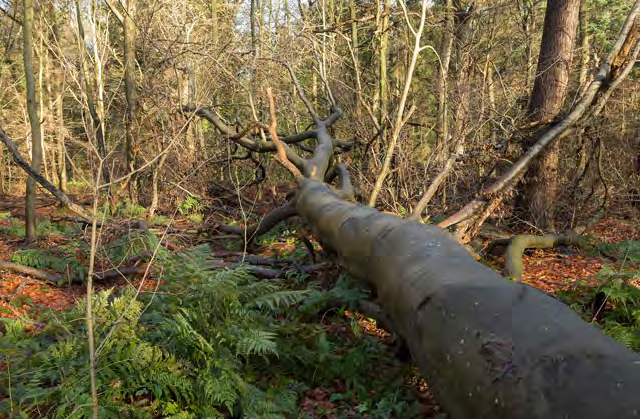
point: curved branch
(258, 146)
(282, 153)
(431, 190)
(513, 255)
(301, 94)
(57, 193)
(263, 226)
(346, 187)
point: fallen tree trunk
(489, 347)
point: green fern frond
(279, 299)
(258, 342)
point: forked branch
(282, 153)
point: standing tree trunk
(130, 92)
(547, 99)
(34, 120)
(400, 119)
(442, 126)
(254, 35)
(354, 42)
(383, 82)
(214, 21)
(584, 44)
(93, 91)
(528, 10)
(61, 153)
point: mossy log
(518, 244)
(488, 347)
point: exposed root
(513, 256)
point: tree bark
(488, 347)
(93, 91)
(585, 42)
(129, 27)
(34, 120)
(383, 59)
(618, 65)
(61, 151)
(254, 35)
(547, 99)
(214, 21)
(442, 127)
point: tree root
(513, 255)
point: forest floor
(25, 297)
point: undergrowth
(213, 343)
(614, 305)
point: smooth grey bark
(488, 347)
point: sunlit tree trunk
(214, 21)
(584, 43)
(354, 43)
(34, 119)
(93, 86)
(43, 95)
(61, 152)
(254, 35)
(547, 99)
(442, 127)
(383, 59)
(129, 27)
(528, 11)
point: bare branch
(53, 279)
(431, 190)
(114, 10)
(301, 94)
(11, 16)
(282, 153)
(57, 193)
(267, 223)
(240, 137)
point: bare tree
(34, 119)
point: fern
(194, 350)
(61, 261)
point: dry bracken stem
(282, 154)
